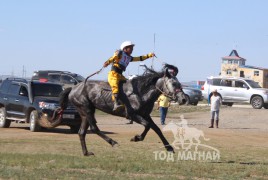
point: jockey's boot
(217, 123)
(117, 104)
(212, 124)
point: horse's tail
(57, 114)
(64, 98)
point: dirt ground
(238, 126)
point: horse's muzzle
(180, 97)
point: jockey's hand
(106, 64)
(151, 55)
(116, 53)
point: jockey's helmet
(125, 44)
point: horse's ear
(166, 71)
(170, 70)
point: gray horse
(138, 95)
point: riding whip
(97, 72)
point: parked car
(192, 95)
(65, 78)
(27, 101)
(237, 90)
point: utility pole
(23, 72)
(152, 66)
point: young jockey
(120, 61)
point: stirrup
(117, 107)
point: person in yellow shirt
(120, 61)
(163, 103)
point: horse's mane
(144, 82)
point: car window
(226, 82)
(13, 89)
(79, 78)
(54, 77)
(216, 82)
(40, 75)
(239, 84)
(4, 87)
(48, 90)
(253, 84)
(23, 91)
(67, 79)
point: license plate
(68, 116)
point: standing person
(120, 61)
(215, 103)
(163, 104)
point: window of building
(229, 71)
(242, 74)
(230, 61)
(224, 62)
(256, 73)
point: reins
(166, 88)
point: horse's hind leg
(95, 129)
(82, 135)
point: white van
(237, 90)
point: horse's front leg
(142, 136)
(149, 123)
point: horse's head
(170, 86)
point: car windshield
(79, 78)
(48, 90)
(253, 84)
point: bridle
(164, 93)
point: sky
(80, 35)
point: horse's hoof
(170, 149)
(115, 144)
(89, 154)
(136, 138)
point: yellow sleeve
(142, 58)
(114, 58)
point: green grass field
(53, 155)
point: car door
(225, 90)
(13, 105)
(241, 91)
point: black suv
(27, 101)
(65, 78)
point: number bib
(125, 59)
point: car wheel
(257, 102)
(265, 106)
(34, 125)
(4, 122)
(187, 98)
(195, 103)
(75, 129)
(230, 104)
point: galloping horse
(138, 95)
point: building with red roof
(235, 66)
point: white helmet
(125, 44)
